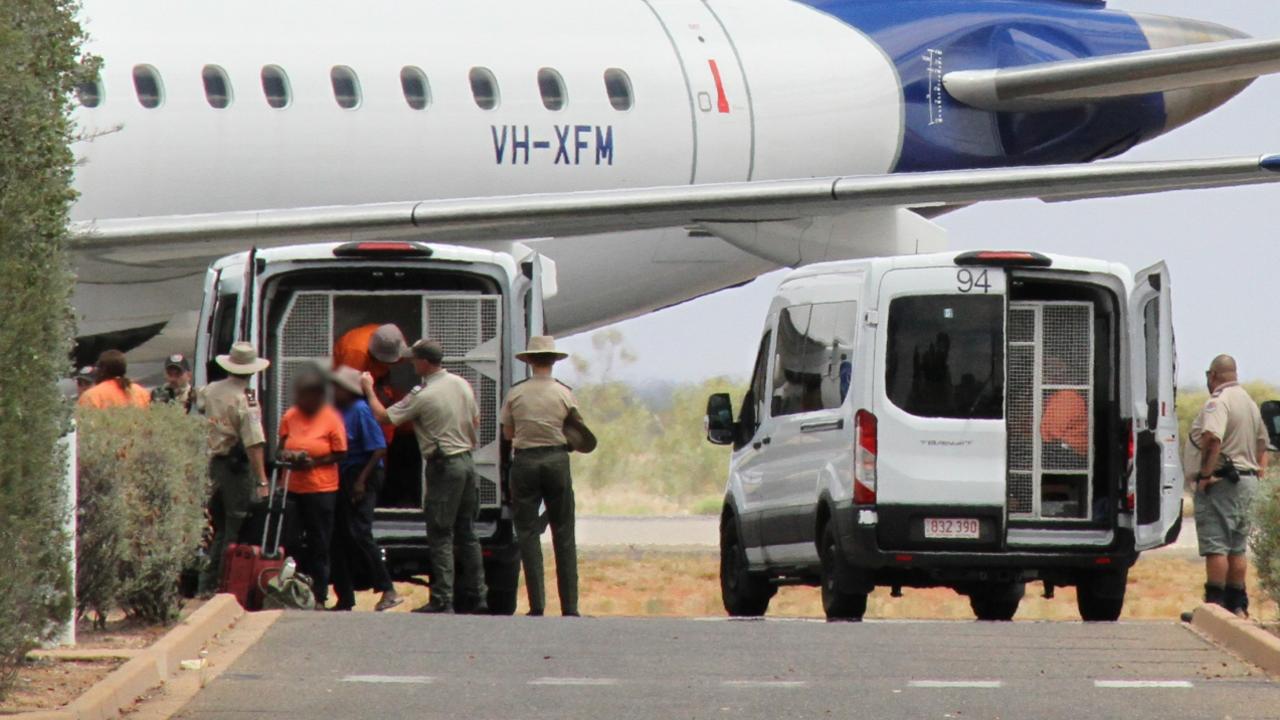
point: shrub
(1265, 541)
(39, 51)
(143, 484)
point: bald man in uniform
(1232, 442)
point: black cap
(428, 350)
(177, 360)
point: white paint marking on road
(766, 683)
(390, 679)
(1130, 684)
(956, 684)
(585, 682)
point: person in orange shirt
(313, 440)
(114, 388)
(375, 349)
(1065, 424)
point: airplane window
(484, 88)
(217, 88)
(90, 94)
(275, 86)
(618, 85)
(346, 87)
(417, 91)
(146, 82)
(551, 85)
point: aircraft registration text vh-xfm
(654, 150)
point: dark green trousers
(541, 477)
(453, 502)
(230, 500)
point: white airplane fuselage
(717, 91)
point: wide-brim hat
(347, 378)
(387, 345)
(541, 346)
(242, 360)
(578, 436)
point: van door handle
(825, 426)
(762, 442)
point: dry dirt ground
(656, 583)
(45, 683)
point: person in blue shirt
(361, 475)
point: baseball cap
(177, 360)
(85, 373)
(429, 350)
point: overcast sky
(1220, 245)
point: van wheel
(1100, 596)
(745, 594)
(997, 603)
(838, 604)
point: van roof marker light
(383, 249)
(1003, 258)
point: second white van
(971, 420)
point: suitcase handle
(277, 512)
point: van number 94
(968, 281)
(951, 529)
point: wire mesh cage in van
(1050, 410)
(467, 325)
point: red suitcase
(246, 568)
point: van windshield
(946, 356)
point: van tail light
(864, 458)
(1130, 452)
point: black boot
(1215, 594)
(1236, 600)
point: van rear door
(1157, 476)
(939, 403)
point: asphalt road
(363, 665)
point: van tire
(745, 594)
(1100, 596)
(997, 603)
(838, 604)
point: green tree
(40, 46)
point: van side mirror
(720, 427)
(1271, 418)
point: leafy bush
(1265, 541)
(39, 51)
(143, 489)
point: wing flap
(1073, 82)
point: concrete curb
(1240, 636)
(151, 667)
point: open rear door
(1157, 477)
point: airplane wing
(1075, 82)
(582, 213)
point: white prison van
(969, 420)
(295, 302)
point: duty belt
(541, 449)
(466, 454)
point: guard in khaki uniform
(236, 441)
(445, 418)
(534, 419)
(1232, 442)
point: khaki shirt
(535, 411)
(1232, 416)
(233, 413)
(443, 411)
